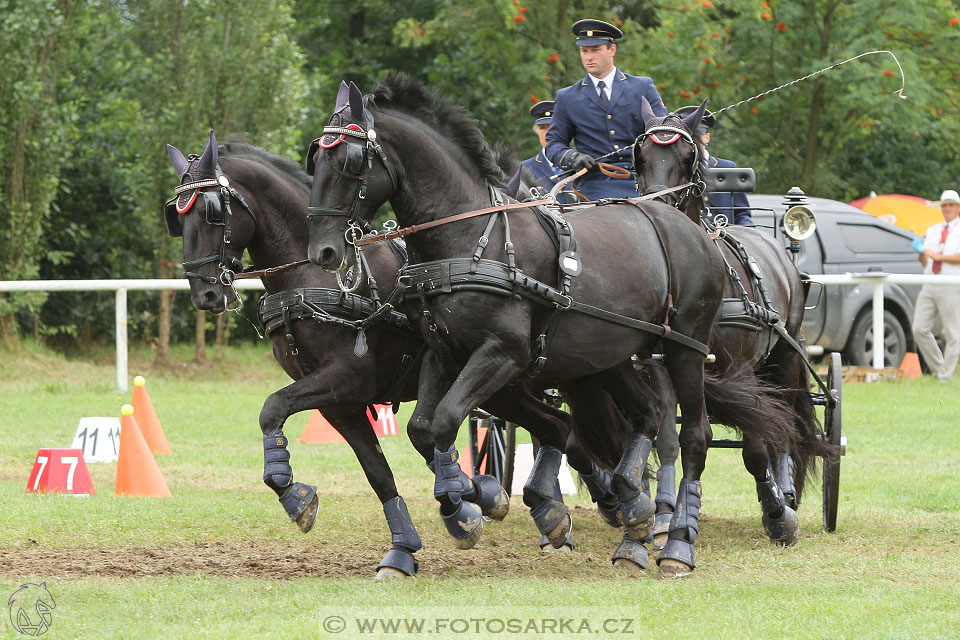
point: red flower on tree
(554, 57)
(766, 15)
(519, 18)
(781, 27)
(707, 4)
(684, 94)
(522, 9)
(888, 73)
(753, 110)
(707, 60)
(954, 22)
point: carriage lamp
(798, 222)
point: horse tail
(739, 399)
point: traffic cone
(137, 471)
(147, 419)
(319, 431)
(911, 365)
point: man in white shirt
(941, 256)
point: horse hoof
(670, 568)
(465, 525)
(309, 515)
(610, 515)
(784, 530)
(628, 565)
(659, 539)
(493, 498)
(640, 532)
(558, 535)
(549, 548)
(387, 573)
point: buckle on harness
(564, 307)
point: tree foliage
(90, 90)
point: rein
(406, 231)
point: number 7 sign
(60, 471)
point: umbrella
(907, 212)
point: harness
(218, 210)
(429, 279)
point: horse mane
(408, 95)
(237, 147)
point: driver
(600, 113)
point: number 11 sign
(98, 438)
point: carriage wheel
(833, 434)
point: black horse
(344, 350)
(627, 274)
(759, 326)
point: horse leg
(299, 500)
(486, 371)
(686, 371)
(550, 427)
(592, 408)
(668, 450)
(353, 424)
(779, 519)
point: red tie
(943, 238)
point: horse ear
(179, 163)
(343, 96)
(210, 158)
(692, 121)
(356, 102)
(646, 111)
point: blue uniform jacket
(579, 116)
(733, 205)
(542, 172)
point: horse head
(213, 239)
(352, 178)
(669, 153)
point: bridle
(218, 211)
(697, 186)
(357, 157)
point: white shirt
(543, 154)
(950, 247)
(607, 82)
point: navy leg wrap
(628, 476)
(548, 514)
(633, 551)
(784, 477)
(403, 536)
(402, 532)
(277, 472)
(298, 500)
(599, 485)
(667, 486)
(451, 482)
(491, 498)
(780, 521)
(770, 497)
(685, 524)
(400, 560)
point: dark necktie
(604, 100)
(943, 238)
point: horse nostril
(209, 299)
(327, 256)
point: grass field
(221, 560)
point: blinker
(214, 208)
(172, 218)
(353, 164)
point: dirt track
(305, 557)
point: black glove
(580, 160)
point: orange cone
(137, 471)
(147, 419)
(320, 431)
(911, 365)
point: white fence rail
(876, 280)
(120, 287)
